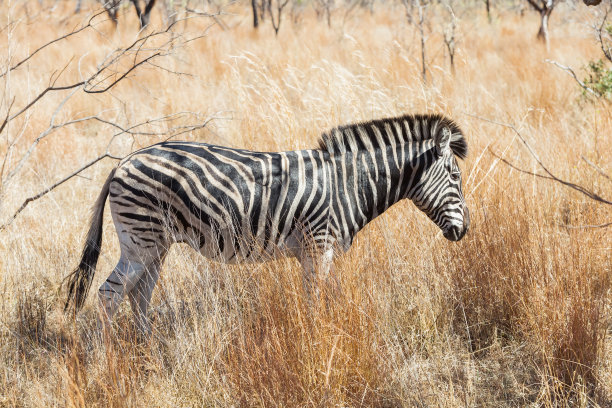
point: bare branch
(606, 50)
(125, 74)
(280, 5)
(38, 98)
(573, 75)
(145, 50)
(214, 16)
(535, 5)
(549, 175)
(91, 84)
(53, 186)
(173, 132)
(117, 55)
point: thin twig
(63, 37)
(214, 16)
(597, 168)
(586, 226)
(6, 118)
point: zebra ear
(442, 140)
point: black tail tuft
(79, 281)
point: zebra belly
(226, 247)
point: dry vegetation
(517, 313)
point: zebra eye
(455, 175)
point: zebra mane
(380, 133)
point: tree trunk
(543, 32)
(144, 16)
(422, 33)
(488, 6)
(255, 14)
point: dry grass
(517, 313)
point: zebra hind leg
(140, 296)
(122, 280)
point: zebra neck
(368, 182)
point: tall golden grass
(517, 313)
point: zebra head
(437, 192)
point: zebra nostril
(453, 234)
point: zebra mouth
(454, 233)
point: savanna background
(518, 313)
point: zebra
(235, 205)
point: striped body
(237, 205)
(231, 205)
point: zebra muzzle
(455, 233)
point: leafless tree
(544, 8)
(488, 8)
(255, 13)
(323, 8)
(450, 36)
(421, 7)
(297, 11)
(112, 9)
(144, 14)
(280, 5)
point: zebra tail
(79, 281)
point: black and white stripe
(237, 205)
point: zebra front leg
(316, 265)
(140, 297)
(121, 281)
